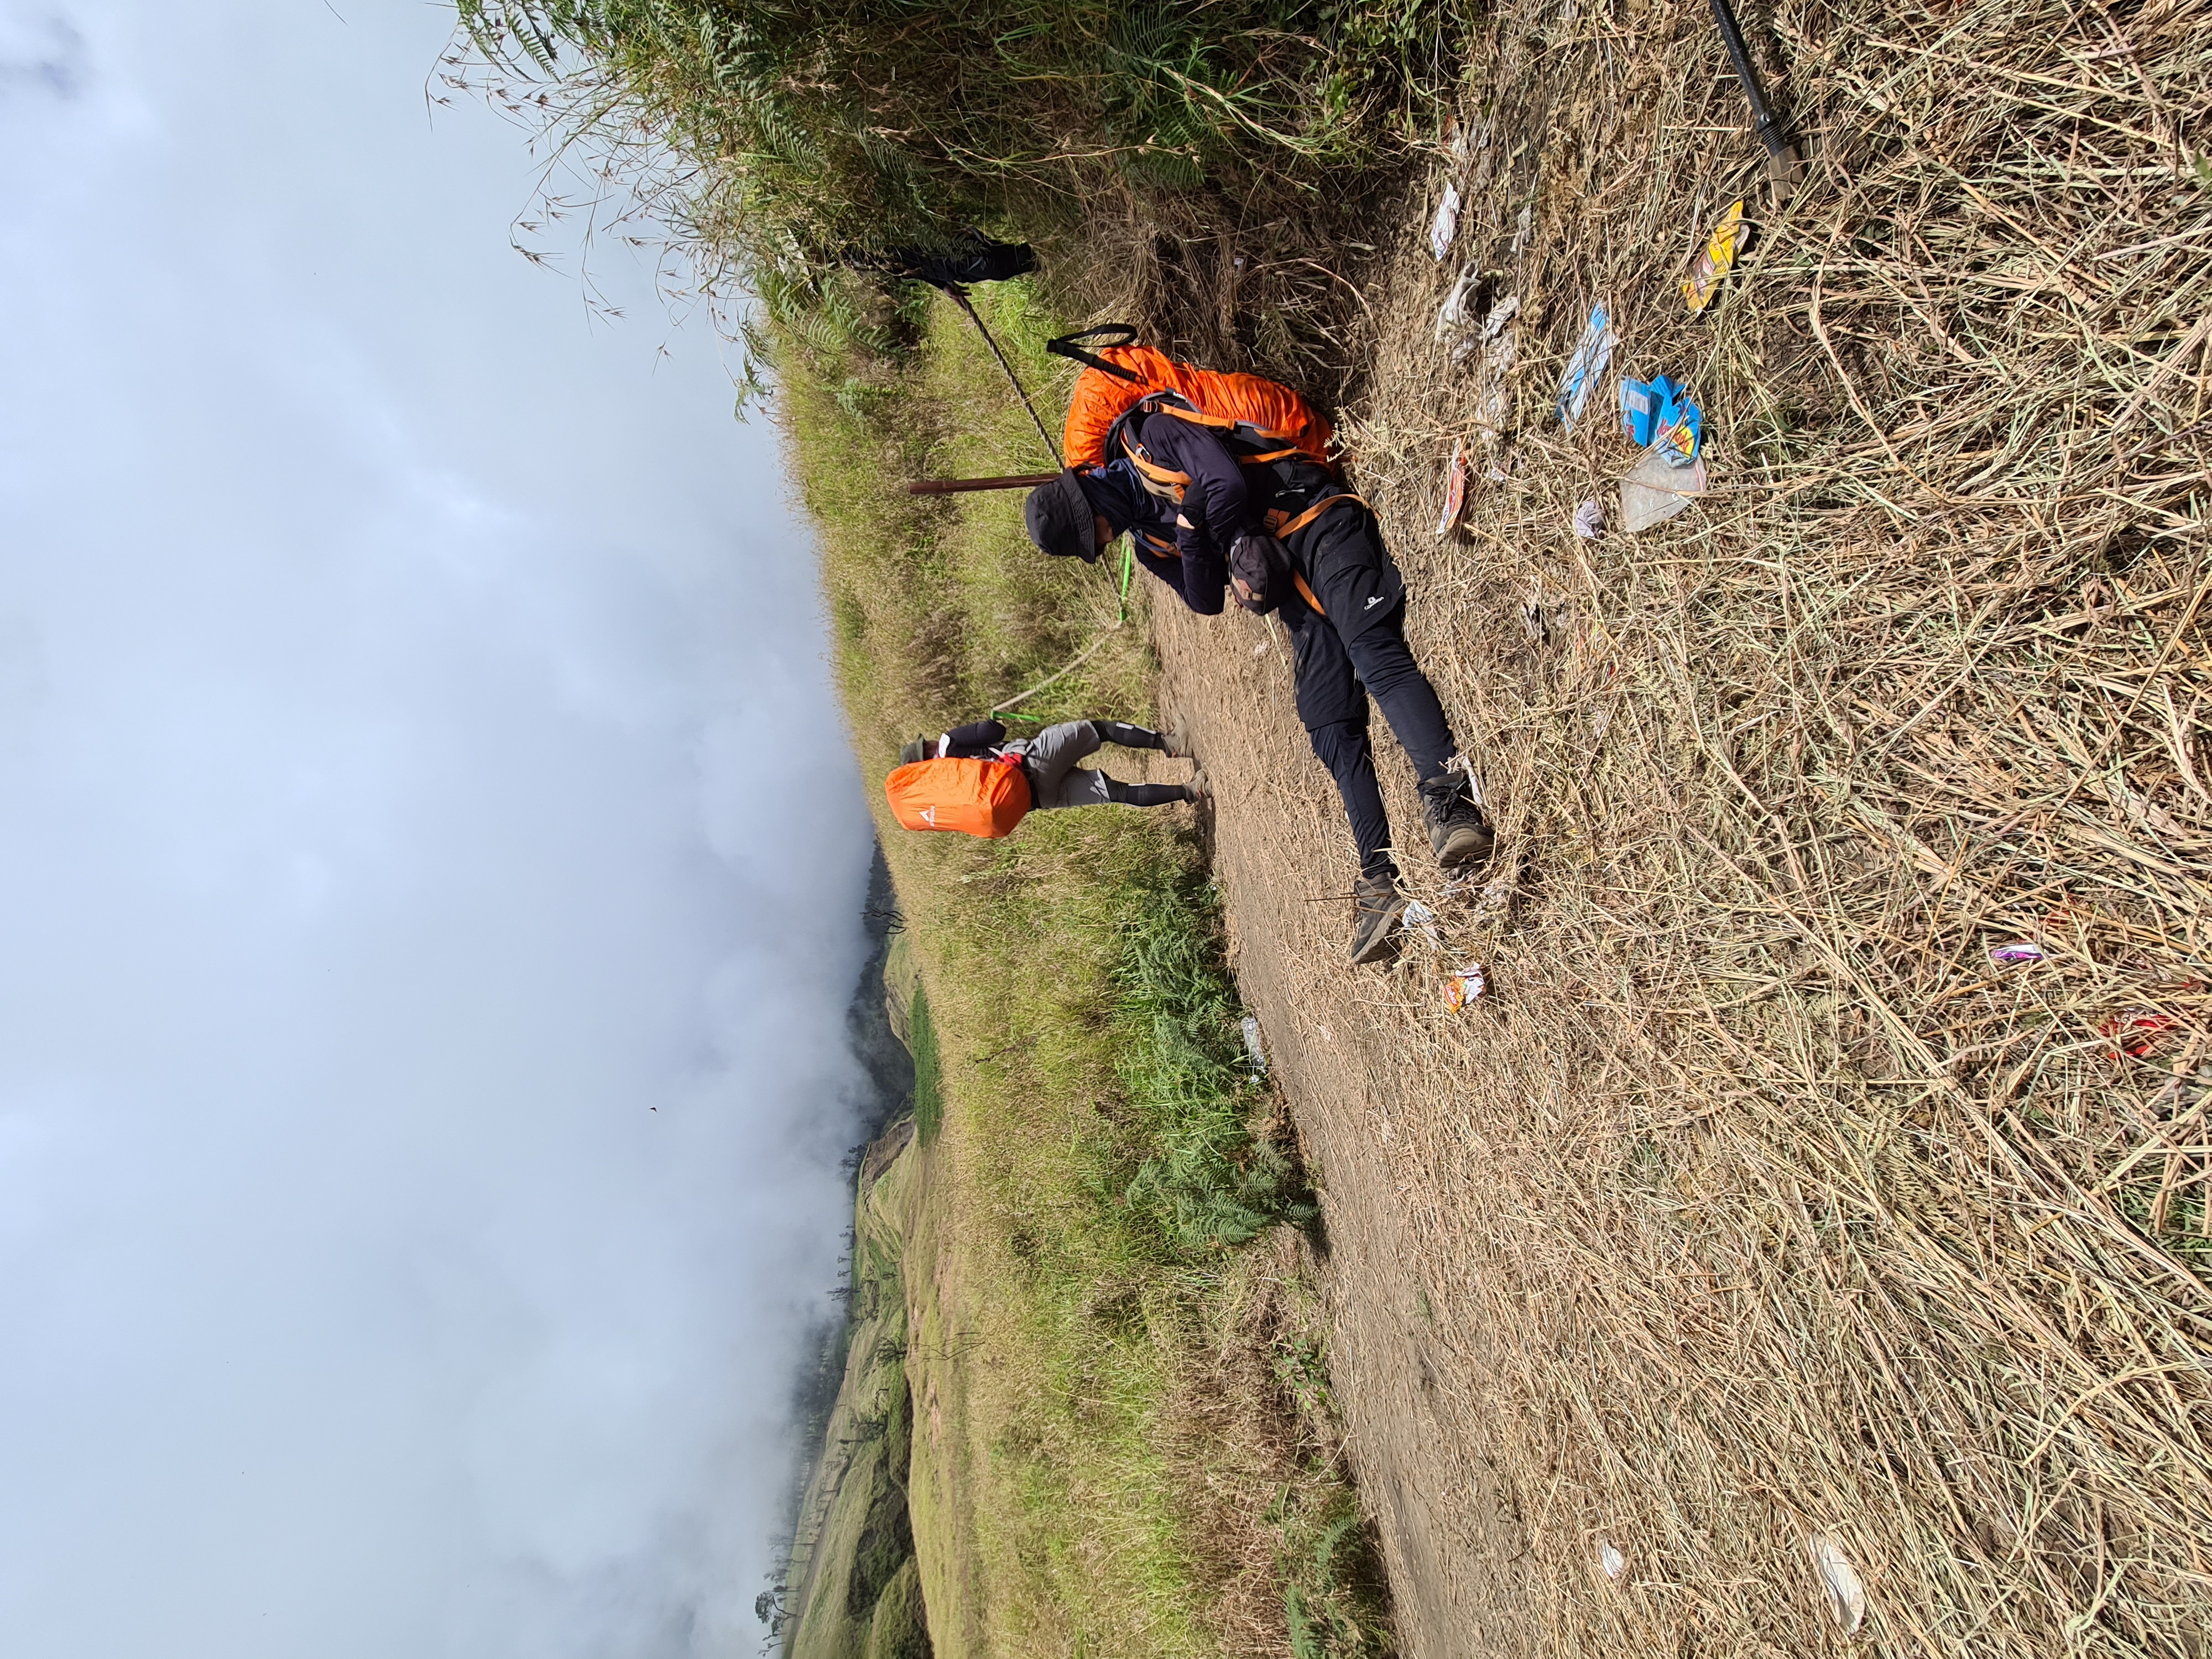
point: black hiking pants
(1356, 651)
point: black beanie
(1060, 519)
(916, 750)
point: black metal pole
(1781, 155)
(960, 300)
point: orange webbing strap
(1170, 485)
(1282, 527)
(1223, 424)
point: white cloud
(431, 870)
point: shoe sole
(1465, 846)
(1386, 937)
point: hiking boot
(1173, 745)
(1198, 791)
(1457, 829)
(1376, 921)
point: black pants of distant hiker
(1334, 677)
(1056, 780)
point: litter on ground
(1731, 235)
(1610, 1560)
(1463, 986)
(1846, 1595)
(1589, 520)
(2135, 1033)
(1453, 315)
(1454, 489)
(1655, 489)
(1592, 352)
(1444, 229)
(2018, 950)
(1249, 1026)
(1659, 412)
(1497, 358)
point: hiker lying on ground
(958, 781)
(1285, 534)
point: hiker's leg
(1145, 794)
(1332, 708)
(1460, 832)
(1050, 754)
(1385, 664)
(1078, 786)
(1128, 736)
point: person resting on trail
(1204, 523)
(1048, 761)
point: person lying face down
(1048, 761)
(1339, 592)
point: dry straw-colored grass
(1761, 1200)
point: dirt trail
(1336, 1042)
(1762, 1214)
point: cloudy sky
(429, 878)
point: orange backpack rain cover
(1100, 399)
(975, 797)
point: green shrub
(1335, 1599)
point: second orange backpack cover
(973, 797)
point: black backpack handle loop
(1105, 336)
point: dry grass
(1760, 1200)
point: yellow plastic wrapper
(1729, 239)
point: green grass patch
(1096, 1151)
(928, 1069)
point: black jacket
(1223, 498)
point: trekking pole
(957, 486)
(960, 299)
(1781, 155)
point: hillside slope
(853, 1576)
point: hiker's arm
(976, 734)
(1205, 572)
(1167, 570)
(1215, 506)
(1171, 571)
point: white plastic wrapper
(1444, 229)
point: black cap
(1061, 520)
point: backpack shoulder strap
(1240, 434)
(1282, 526)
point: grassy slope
(849, 1516)
(1061, 1338)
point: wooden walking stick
(957, 486)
